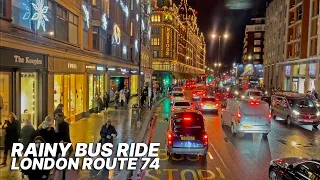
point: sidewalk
(88, 130)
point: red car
(223, 95)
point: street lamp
(213, 37)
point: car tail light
(205, 139)
(251, 103)
(269, 115)
(201, 104)
(239, 117)
(172, 97)
(257, 103)
(217, 104)
(170, 138)
(187, 118)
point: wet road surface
(247, 157)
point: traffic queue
(243, 111)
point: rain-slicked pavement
(88, 130)
(230, 157)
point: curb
(125, 174)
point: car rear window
(182, 104)
(188, 120)
(301, 103)
(255, 93)
(178, 94)
(262, 109)
(208, 99)
(177, 89)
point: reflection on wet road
(234, 157)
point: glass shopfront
(68, 90)
(5, 94)
(96, 88)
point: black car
(294, 169)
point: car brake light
(205, 139)
(257, 103)
(239, 117)
(251, 103)
(217, 104)
(170, 137)
(269, 115)
(173, 109)
(183, 97)
(187, 118)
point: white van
(247, 116)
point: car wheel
(273, 175)
(288, 120)
(233, 130)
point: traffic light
(117, 80)
(210, 79)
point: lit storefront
(23, 85)
(68, 86)
(96, 83)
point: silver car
(247, 116)
(183, 104)
(208, 104)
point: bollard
(135, 112)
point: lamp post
(225, 36)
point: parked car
(186, 133)
(247, 116)
(294, 108)
(208, 104)
(294, 169)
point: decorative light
(86, 14)
(137, 17)
(137, 1)
(111, 69)
(142, 25)
(26, 15)
(104, 21)
(149, 9)
(124, 50)
(40, 14)
(136, 45)
(124, 8)
(149, 33)
(116, 35)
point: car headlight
(242, 97)
(318, 113)
(295, 112)
(236, 92)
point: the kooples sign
(26, 60)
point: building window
(73, 28)
(3, 6)
(96, 3)
(131, 29)
(257, 42)
(85, 40)
(256, 56)
(95, 38)
(19, 9)
(61, 23)
(155, 18)
(155, 54)
(315, 8)
(313, 46)
(155, 30)
(297, 49)
(155, 41)
(314, 27)
(257, 35)
(103, 40)
(299, 13)
(131, 4)
(257, 49)
(298, 31)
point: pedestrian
(36, 174)
(59, 109)
(62, 129)
(116, 99)
(315, 94)
(127, 94)
(310, 96)
(28, 133)
(122, 97)
(108, 132)
(12, 128)
(106, 100)
(66, 174)
(46, 130)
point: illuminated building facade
(69, 52)
(177, 44)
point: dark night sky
(225, 16)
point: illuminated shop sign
(100, 68)
(167, 48)
(116, 35)
(72, 66)
(26, 60)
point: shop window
(3, 6)
(155, 41)
(73, 28)
(257, 49)
(5, 94)
(155, 54)
(61, 23)
(29, 97)
(302, 69)
(312, 69)
(295, 70)
(95, 37)
(257, 42)
(85, 39)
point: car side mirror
(166, 119)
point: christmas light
(124, 50)
(86, 14)
(104, 21)
(137, 17)
(124, 8)
(116, 35)
(136, 45)
(137, 1)
(40, 14)
(28, 11)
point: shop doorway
(96, 89)
(5, 95)
(295, 84)
(301, 85)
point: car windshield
(177, 89)
(208, 99)
(301, 103)
(255, 93)
(178, 94)
(182, 104)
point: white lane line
(218, 155)
(210, 156)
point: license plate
(304, 120)
(187, 138)
(209, 105)
(247, 127)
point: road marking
(220, 173)
(210, 156)
(218, 155)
